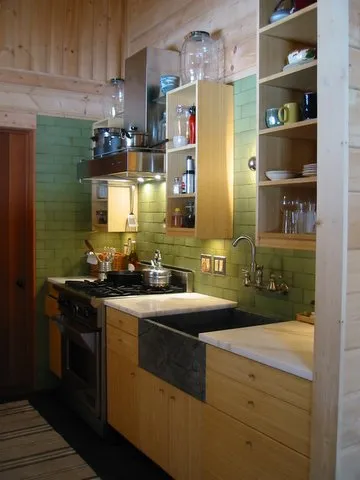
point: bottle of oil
(133, 257)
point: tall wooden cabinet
(291, 146)
(213, 155)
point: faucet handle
(247, 279)
(283, 287)
(272, 284)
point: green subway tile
(309, 296)
(248, 110)
(293, 264)
(309, 265)
(304, 280)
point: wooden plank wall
(349, 441)
(73, 38)
(163, 24)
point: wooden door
(153, 418)
(17, 247)
(122, 396)
(185, 423)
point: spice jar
(177, 186)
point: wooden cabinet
(122, 374)
(114, 209)
(232, 450)
(51, 310)
(169, 423)
(291, 146)
(213, 155)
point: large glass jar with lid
(199, 57)
(114, 99)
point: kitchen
(300, 265)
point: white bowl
(280, 174)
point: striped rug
(30, 449)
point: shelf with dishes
(301, 181)
(281, 240)
(302, 129)
(171, 149)
(301, 76)
(300, 26)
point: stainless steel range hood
(142, 108)
(128, 164)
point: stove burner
(103, 289)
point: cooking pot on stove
(107, 140)
(132, 138)
(157, 276)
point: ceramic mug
(310, 105)
(289, 113)
(272, 118)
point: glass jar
(161, 133)
(114, 99)
(101, 216)
(189, 217)
(177, 218)
(199, 58)
(181, 126)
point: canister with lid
(190, 174)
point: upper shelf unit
(212, 199)
(293, 144)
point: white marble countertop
(62, 280)
(158, 305)
(287, 346)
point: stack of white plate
(309, 170)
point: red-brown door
(17, 260)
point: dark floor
(114, 459)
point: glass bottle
(179, 139)
(133, 257)
(177, 186)
(199, 58)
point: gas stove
(107, 289)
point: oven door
(81, 365)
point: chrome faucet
(254, 277)
(250, 241)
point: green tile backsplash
(297, 268)
(63, 213)
(63, 221)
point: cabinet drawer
(122, 343)
(282, 385)
(232, 450)
(279, 420)
(122, 320)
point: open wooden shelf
(305, 129)
(283, 240)
(189, 146)
(301, 77)
(301, 26)
(298, 182)
(180, 232)
(182, 195)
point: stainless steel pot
(132, 138)
(107, 140)
(156, 277)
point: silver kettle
(280, 12)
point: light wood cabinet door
(153, 418)
(184, 435)
(234, 451)
(122, 404)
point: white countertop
(158, 305)
(287, 346)
(62, 280)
